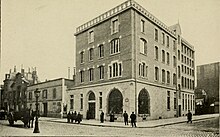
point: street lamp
(37, 94)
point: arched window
(143, 102)
(91, 96)
(115, 102)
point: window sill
(112, 33)
(82, 63)
(168, 109)
(114, 54)
(90, 42)
(143, 54)
(101, 58)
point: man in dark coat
(75, 116)
(68, 117)
(189, 117)
(102, 117)
(125, 115)
(79, 118)
(133, 119)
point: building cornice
(118, 9)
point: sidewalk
(144, 124)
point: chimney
(10, 71)
(15, 69)
(22, 71)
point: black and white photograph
(125, 68)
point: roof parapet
(118, 9)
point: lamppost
(37, 94)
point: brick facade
(132, 67)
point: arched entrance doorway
(91, 109)
(144, 102)
(115, 102)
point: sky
(40, 33)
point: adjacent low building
(52, 97)
(207, 91)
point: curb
(115, 126)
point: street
(203, 128)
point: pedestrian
(71, 117)
(68, 117)
(102, 117)
(133, 119)
(79, 118)
(75, 116)
(189, 117)
(125, 115)
(87, 115)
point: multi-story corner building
(52, 97)
(208, 81)
(15, 86)
(128, 60)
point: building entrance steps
(140, 124)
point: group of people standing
(125, 115)
(132, 117)
(74, 117)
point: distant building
(207, 91)
(52, 100)
(14, 89)
(127, 59)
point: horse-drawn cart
(25, 116)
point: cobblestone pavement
(64, 129)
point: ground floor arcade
(148, 101)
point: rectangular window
(82, 76)
(30, 95)
(156, 53)
(178, 54)
(91, 36)
(44, 93)
(156, 73)
(168, 43)
(143, 46)
(174, 61)
(71, 103)
(163, 38)
(101, 50)
(174, 79)
(110, 71)
(168, 58)
(142, 25)
(178, 39)
(82, 57)
(81, 101)
(54, 93)
(100, 100)
(115, 47)
(183, 101)
(163, 76)
(156, 35)
(163, 56)
(168, 77)
(91, 74)
(188, 103)
(174, 100)
(174, 45)
(168, 100)
(115, 70)
(115, 26)
(101, 72)
(91, 53)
